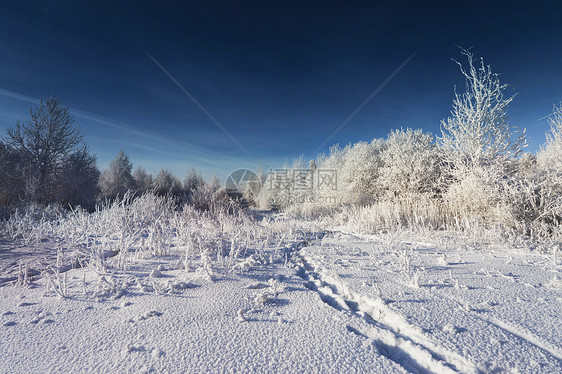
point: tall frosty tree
(143, 180)
(192, 181)
(480, 148)
(549, 178)
(44, 142)
(45, 160)
(478, 132)
(117, 180)
(166, 183)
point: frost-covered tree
(117, 180)
(192, 181)
(549, 158)
(478, 132)
(548, 182)
(44, 142)
(12, 175)
(409, 164)
(358, 174)
(143, 180)
(357, 169)
(334, 159)
(79, 177)
(210, 196)
(480, 148)
(166, 183)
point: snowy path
(454, 310)
(391, 333)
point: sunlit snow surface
(340, 303)
(473, 309)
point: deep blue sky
(280, 76)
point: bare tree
(43, 142)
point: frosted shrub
(476, 197)
(133, 228)
(409, 164)
(549, 159)
(385, 215)
(33, 222)
(548, 178)
(360, 170)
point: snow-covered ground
(336, 302)
(486, 309)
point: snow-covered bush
(125, 229)
(548, 178)
(549, 159)
(482, 197)
(410, 165)
(359, 171)
(385, 215)
(33, 222)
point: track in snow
(516, 330)
(394, 337)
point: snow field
(195, 329)
(213, 292)
(486, 309)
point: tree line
(45, 160)
(475, 173)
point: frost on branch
(478, 133)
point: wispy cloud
(76, 112)
(91, 117)
(115, 124)
(18, 96)
(128, 130)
